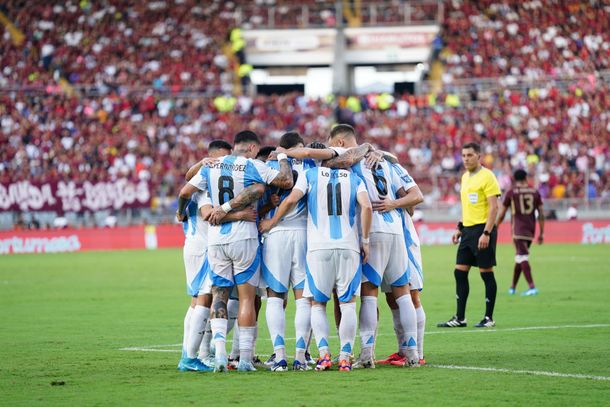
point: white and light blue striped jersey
(407, 183)
(410, 233)
(296, 219)
(332, 208)
(403, 174)
(223, 181)
(379, 182)
(195, 228)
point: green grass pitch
(66, 317)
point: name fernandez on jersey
(223, 181)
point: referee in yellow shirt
(477, 236)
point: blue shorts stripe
(353, 286)
(247, 274)
(371, 274)
(318, 295)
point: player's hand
(456, 237)
(385, 205)
(372, 159)
(248, 215)
(274, 199)
(410, 211)
(540, 239)
(216, 216)
(208, 161)
(272, 156)
(265, 225)
(483, 242)
(181, 217)
(364, 252)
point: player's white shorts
(196, 267)
(333, 268)
(235, 263)
(416, 272)
(283, 265)
(388, 262)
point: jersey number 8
(225, 189)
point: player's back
(332, 208)
(380, 183)
(195, 228)
(524, 201)
(224, 180)
(297, 217)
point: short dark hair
(264, 152)
(342, 129)
(520, 175)
(290, 139)
(219, 145)
(475, 146)
(246, 136)
(317, 145)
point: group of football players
(332, 223)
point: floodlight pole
(341, 82)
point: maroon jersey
(523, 202)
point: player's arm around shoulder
(284, 179)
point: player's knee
(415, 298)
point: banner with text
(61, 197)
(172, 236)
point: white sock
(302, 324)
(319, 324)
(400, 333)
(235, 345)
(276, 322)
(232, 310)
(219, 335)
(347, 329)
(408, 320)
(187, 321)
(368, 325)
(199, 319)
(246, 340)
(421, 328)
(204, 348)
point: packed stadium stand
(99, 90)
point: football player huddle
(332, 223)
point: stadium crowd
(535, 39)
(137, 58)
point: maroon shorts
(522, 246)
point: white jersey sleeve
(259, 172)
(199, 181)
(406, 180)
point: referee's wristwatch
(487, 233)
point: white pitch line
(522, 328)
(524, 372)
(154, 348)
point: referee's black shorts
(468, 252)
